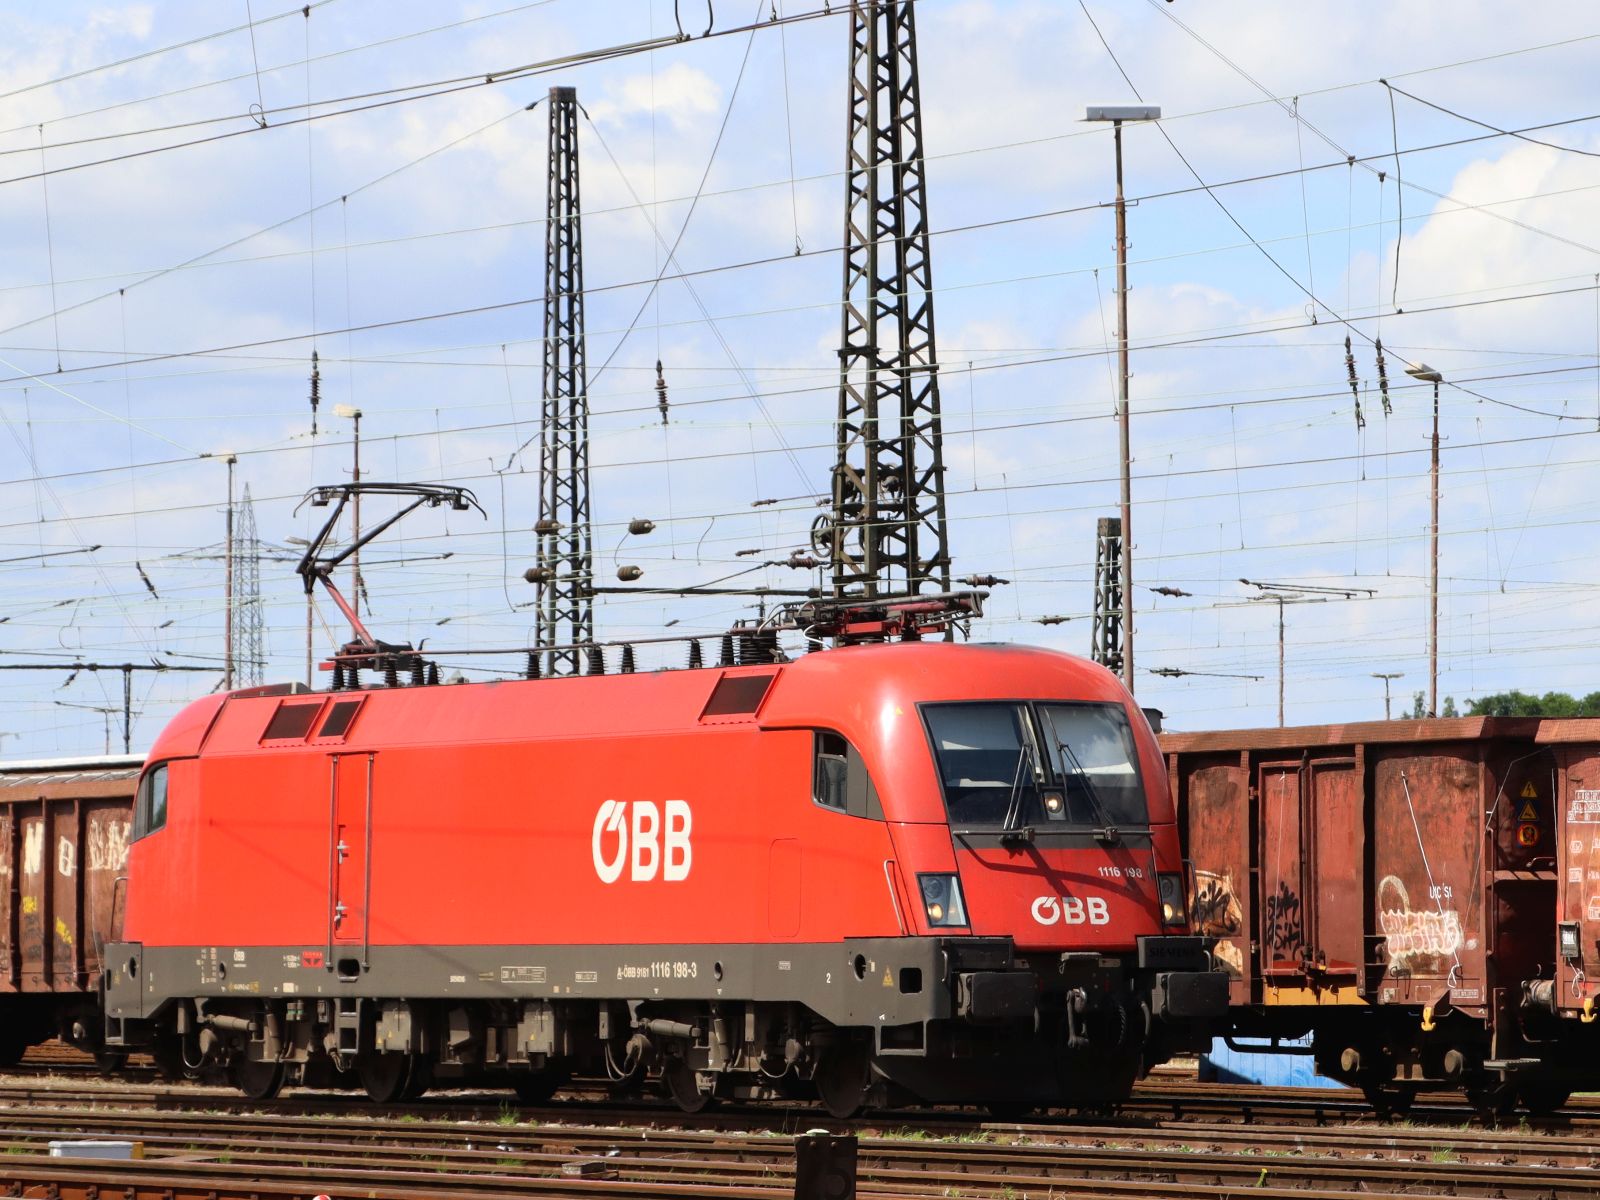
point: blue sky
(182, 288)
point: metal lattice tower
(1106, 640)
(888, 534)
(249, 648)
(566, 598)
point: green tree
(1419, 705)
(1522, 704)
(1449, 709)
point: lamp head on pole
(1424, 372)
(1122, 112)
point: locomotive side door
(349, 852)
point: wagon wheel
(109, 1062)
(683, 1087)
(257, 1080)
(843, 1076)
(1492, 1098)
(386, 1076)
(1389, 1099)
(1543, 1097)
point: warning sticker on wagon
(1585, 809)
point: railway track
(1176, 1138)
(267, 1154)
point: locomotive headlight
(1169, 890)
(941, 899)
(1055, 808)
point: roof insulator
(725, 658)
(627, 660)
(416, 672)
(391, 675)
(338, 677)
(696, 659)
(597, 661)
(533, 664)
(433, 674)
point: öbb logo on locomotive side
(657, 847)
(1071, 910)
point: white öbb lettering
(1071, 910)
(659, 842)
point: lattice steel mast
(1106, 639)
(565, 599)
(888, 533)
(249, 650)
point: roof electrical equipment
(1355, 384)
(1383, 379)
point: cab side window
(840, 780)
(150, 807)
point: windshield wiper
(1106, 832)
(1009, 829)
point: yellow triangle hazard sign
(888, 978)
(1529, 792)
(1529, 812)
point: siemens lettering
(656, 848)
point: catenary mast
(886, 534)
(565, 597)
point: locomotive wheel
(386, 1076)
(1543, 1098)
(536, 1087)
(419, 1081)
(257, 1080)
(1011, 1110)
(843, 1075)
(683, 1087)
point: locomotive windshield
(1036, 765)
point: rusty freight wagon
(1392, 889)
(1574, 994)
(63, 848)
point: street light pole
(1428, 375)
(1117, 114)
(1386, 677)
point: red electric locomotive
(948, 872)
(951, 868)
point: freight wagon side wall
(63, 847)
(1575, 799)
(1347, 865)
